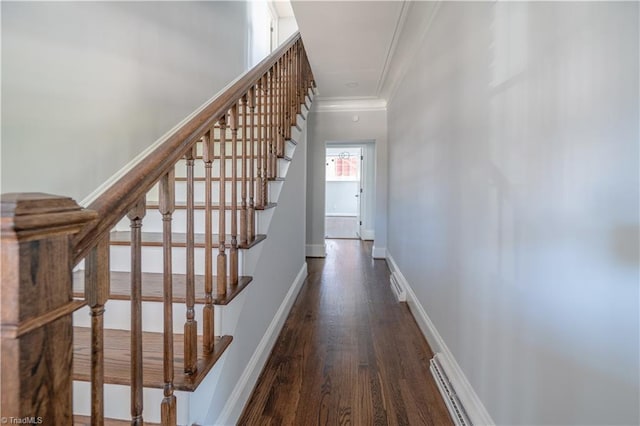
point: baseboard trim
(242, 391)
(367, 234)
(472, 404)
(316, 250)
(379, 252)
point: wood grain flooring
(348, 354)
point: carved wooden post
(96, 292)
(262, 130)
(37, 303)
(135, 215)
(207, 310)
(244, 177)
(221, 269)
(166, 206)
(252, 180)
(190, 325)
(233, 251)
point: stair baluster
(288, 100)
(299, 85)
(135, 216)
(268, 134)
(281, 108)
(252, 163)
(190, 325)
(166, 207)
(262, 125)
(96, 292)
(233, 251)
(244, 214)
(277, 93)
(273, 118)
(207, 310)
(276, 121)
(294, 85)
(222, 257)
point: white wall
(259, 31)
(513, 202)
(88, 85)
(286, 27)
(338, 126)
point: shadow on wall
(626, 246)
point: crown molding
(349, 104)
(389, 85)
(402, 18)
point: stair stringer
(278, 268)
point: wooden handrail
(118, 199)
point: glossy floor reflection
(348, 352)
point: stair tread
(200, 206)
(152, 287)
(117, 358)
(178, 239)
(79, 420)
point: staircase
(145, 273)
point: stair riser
(153, 221)
(152, 259)
(199, 169)
(118, 316)
(199, 192)
(117, 406)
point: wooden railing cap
(33, 211)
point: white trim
(379, 252)
(472, 404)
(349, 104)
(242, 391)
(316, 250)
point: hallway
(348, 353)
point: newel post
(36, 302)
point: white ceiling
(349, 43)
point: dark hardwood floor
(348, 353)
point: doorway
(343, 185)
